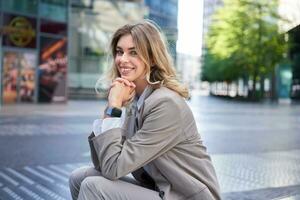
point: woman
(155, 139)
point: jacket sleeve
(161, 130)
(94, 156)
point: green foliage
(243, 41)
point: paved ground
(255, 147)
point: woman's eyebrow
(130, 48)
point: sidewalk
(257, 176)
(256, 160)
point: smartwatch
(113, 112)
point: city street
(255, 147)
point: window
(23, 6)
(54, 9)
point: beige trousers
(86, 183)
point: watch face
(114, 112)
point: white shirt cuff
(102, 125)
(112, 122)
(97, 126)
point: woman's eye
(133, 53)
(119, 52)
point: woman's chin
(127, 78)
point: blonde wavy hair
(151, 48)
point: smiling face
(128, 62)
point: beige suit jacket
(167, 141)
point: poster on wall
(53, 70)
(27, 76)
(18, 79)
(10, 76)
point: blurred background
(240, 58)
(55, 50)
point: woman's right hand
(121, 92)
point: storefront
(33, 51)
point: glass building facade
(91, 26)
(33, 51)
(165, 14)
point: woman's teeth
(125, 70)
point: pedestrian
(147, 129)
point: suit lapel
(139, 117)
(129, 125)
(134, 120)
(141, 109)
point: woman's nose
(124, 57)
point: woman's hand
(121, 92)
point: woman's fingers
(122, 89)
(125, 81)
(133, 85)
(122, 80)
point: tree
(244, 42)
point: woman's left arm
(161, 130)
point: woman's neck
(140, 86)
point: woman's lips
(125, 71)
